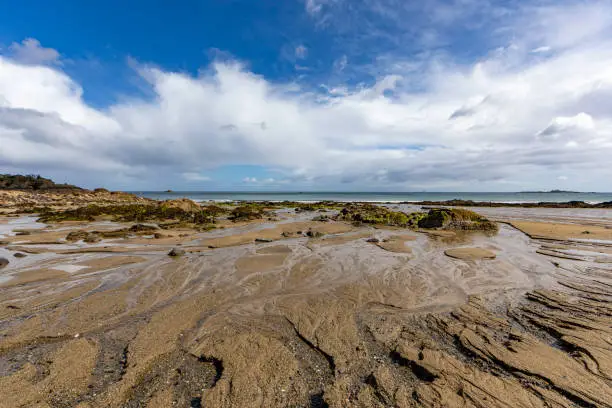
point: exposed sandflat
(557, 231)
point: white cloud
(301, 52)
(313, 7)
(270, 181)
(541, 50)
(29, 51)
(340, 64)
(582, 123)
(513, 118)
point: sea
(377, 197)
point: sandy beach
(304, 307)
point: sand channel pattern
(265, 316)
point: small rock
(263, 240)
(157, 235)
(314, 234)
(373, 240)
(92, 238)
(3, 262)
(19, 255)
(176, 252)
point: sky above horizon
(345, 95)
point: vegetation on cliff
(31, 182)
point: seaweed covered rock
(377, 215)
(248, 212)
(179, 212)
(455, 219)
(143, 228)
(318, 206)
(81, 235)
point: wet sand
(300, 313)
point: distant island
(549, 192)
(31, 182)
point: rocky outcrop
(455, 219)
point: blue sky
(465, 95)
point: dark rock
(314, 234)
(157, 235)
(176, 252)
(143, 228)
(19, 255)
(92, 238)
(263, 240)
(373, 240)
(321, 218)
(77, 235)
(455, 219)
(3, 262)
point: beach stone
(3, 262)
(314, 234)
(263, 240)
(19, 255)
(176, 252)
(373, 240)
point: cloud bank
(533, 113)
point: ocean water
(520, 197)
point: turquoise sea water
(521, 197)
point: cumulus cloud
(29, 51)
(512, 118)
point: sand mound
(469, 254)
